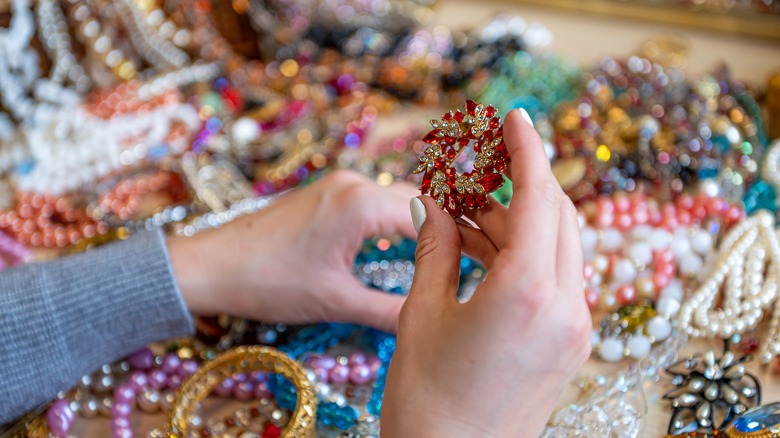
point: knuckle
(426, 245)
(568, 211)
(575, 334)
(546, 191)
(343, 176)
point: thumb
(437, 260)
(370, 307)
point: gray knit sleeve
(60, 320)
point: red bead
(459, 116)
(588, 270)
(623, 221)
(716, 206)
(605, 205)
(494, 123)
(271, 431)
(604, 220)
(622, 203)
(684, 218)
(684, 202)
(626, 294)
(660, 280)
(490, 111)
(592, 298)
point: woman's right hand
(496, 365)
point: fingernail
(526, 116)
(418, 213)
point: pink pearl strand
(625, 211)
(359, 369)
(13, 252)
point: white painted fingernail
(418, 213)
(526, 117)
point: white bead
(245, 130)
(611, 350)
(680, 246)
(595, 280)
(659, 328)
(673, 290)
(641, 252)
(595, 338)
(590, 239)
(600, 263)
(660, 239)
(701, 242)
(638, 346)
(691, 264)
(668, 306)
(611, 240)
(642, 232)
(624, 272)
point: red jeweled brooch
(479, 127)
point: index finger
(534, 211)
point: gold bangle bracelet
(242, 360)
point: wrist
(192, 273)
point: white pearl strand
(748, 251)
(20, 77)
(76, 148)
(770, 169)
(151, 43)
(54, 36)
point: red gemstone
(459, 116)
(471, 106)
(500, 165)
(449, 141)
(447, 117)
(452, 206)
(425, 185)
(464, 140)
(439, 164)
(490, 111)
(450, 153)
(491, 182)
(450, 172)
(431, 138)
(494, 123)
(487, 137)
(271, 431)
(477, 147)
(481, 201)
(470, 202)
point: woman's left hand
(292, 262)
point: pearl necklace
(747, 268)
(54, 36)
(19, 79)
(153, 44)
(75, 147)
